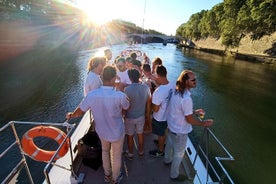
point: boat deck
(144, 170)
(70, 169)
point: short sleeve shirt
(138, 95)
(93, 81)
(124, 78)
(178, 108)
(106, 105)
(161, 96)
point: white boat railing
(14, 173)
(219, 174)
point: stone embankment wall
(263, 50)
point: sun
(96, 11)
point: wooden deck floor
(145, 170)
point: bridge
(152, 38)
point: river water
(239, 95)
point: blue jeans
(174, 151)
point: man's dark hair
(133, 75)
(146, 67)
(120, 59)
(109, 72)
(133, 55)
(129, 59)
(161, 71)
(136, 62)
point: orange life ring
(30, 148)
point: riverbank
(262, 50)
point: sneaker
(129, 155)
(119, 179)
(180, 177)
(107, 179)
(156, 153)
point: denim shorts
(159, 127)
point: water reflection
(239, 95)
(244, 98)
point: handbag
(89, 146)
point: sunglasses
(193, 80)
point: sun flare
(97, 11)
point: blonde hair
(95, 62)
(181, 82)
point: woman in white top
(93, 79)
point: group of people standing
(128, 96)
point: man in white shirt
(180, 120)
(160, 99)
(122, 74)
(106, 105)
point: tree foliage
(59, 13)
(231, 20)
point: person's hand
(69, 115)
(120, 86)
(152, 77)
(208, 122)
(200, 113)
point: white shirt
(93, 81)
(179, 107)
(124, 78)
(161, 96)
(106, 105)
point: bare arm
(194, 121)
(155, 108)
(148, 108)
(78, 112)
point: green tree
(231, 32)
(231, 20)
(263, 15)
(193, 25)
(204, 25)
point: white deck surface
(145, 170)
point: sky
(164, 16)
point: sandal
(141, 154)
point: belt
(173, 133)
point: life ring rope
(36, 153)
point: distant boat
(164, 43)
